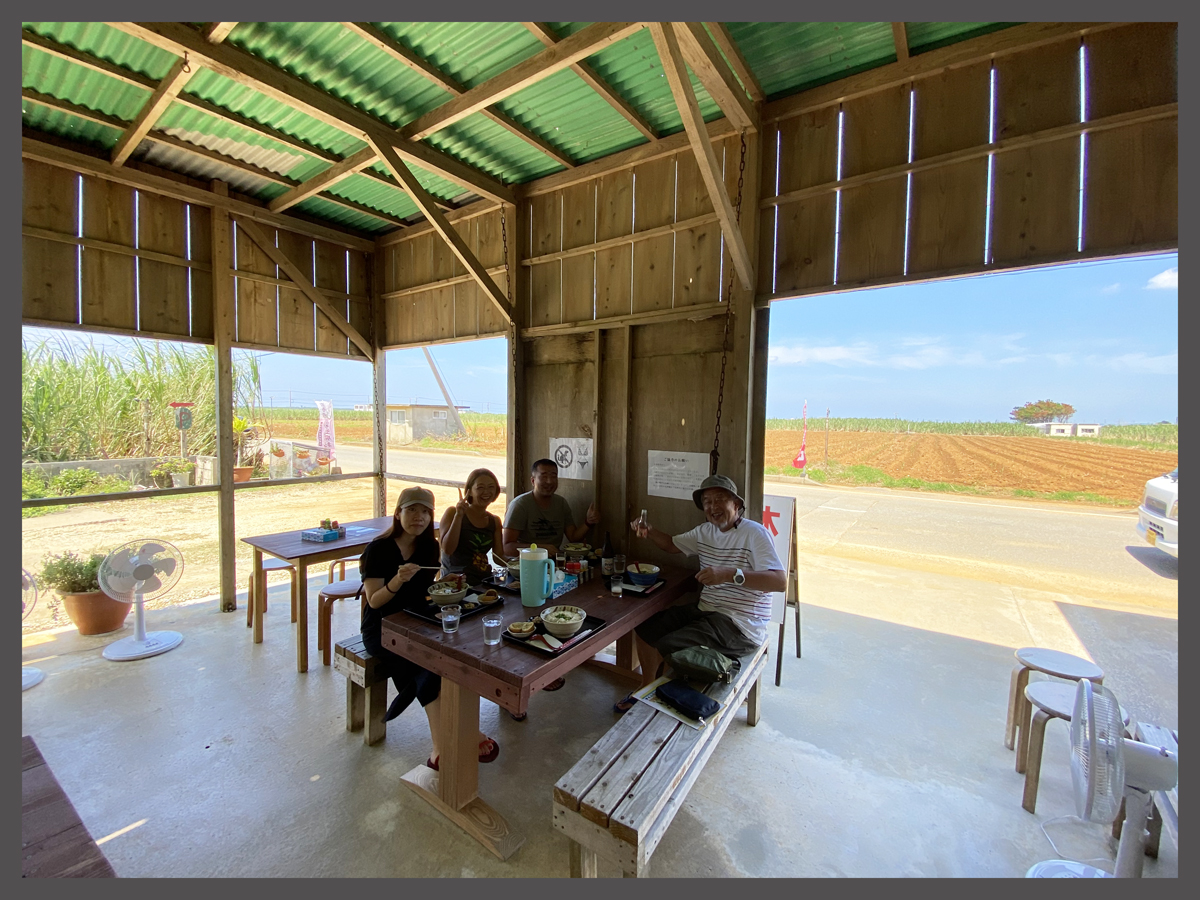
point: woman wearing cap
(739, 569)
(393, 579)
(469, 531)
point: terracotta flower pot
(95, 612)
(242, 473)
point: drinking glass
(450, 616)
(619, 564)
(491, 628)
(617, 585)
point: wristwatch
(739, 577)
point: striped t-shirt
(746, 547)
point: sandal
(625, 704)
(489, 756)
(555, 685)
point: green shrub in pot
(69, 573)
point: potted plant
(243, 432)
(76, 580)
(178, 470)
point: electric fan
(137, 572)
(1106, 768)
(29, 594)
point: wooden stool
(1053, 700)
(366, 689)
(1050, 662)
(339, 590)
(340, 565)
(270, 564)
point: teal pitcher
(537, 577)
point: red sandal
(484, 757)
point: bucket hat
(717, 481)
(414, 495)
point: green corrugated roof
(562, 110)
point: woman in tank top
(468, 531)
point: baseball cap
(414, 495)
(717, 481)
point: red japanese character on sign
(769, 518)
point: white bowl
(445, 598)
(563, 629)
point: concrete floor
(881, 754)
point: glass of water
(491, 628)
(450, 617)
(617, 585)
(619, 564)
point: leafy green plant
(172, 466)
(69, 573)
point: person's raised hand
(593, 514)
(462, 504)
(407, 571)
(640, 528)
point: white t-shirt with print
(746, 547)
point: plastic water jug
(537, 577)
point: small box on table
(569, 583)
(321, 535)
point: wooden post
(223, 319)
(518, 277)
(378, 381)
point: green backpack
(703, 664)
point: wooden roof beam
(247, 69)
(168, 89)
(319, 182)
(562, 55)
(546, 35)
(397, 51)
(724, 40)
(218, 31)
(382, 142)
(710, 170)
(900, 36)
(705, 60)
(319, 300)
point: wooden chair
(1049, 662)
(340, 565)
(1051, 700)
(270, 564)
(338, 590)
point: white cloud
(1167, 364)
(1111, 289)
(909, 352)
(860, 354)
(1164, 281)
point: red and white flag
(800, 459)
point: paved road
(430, 463)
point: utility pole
(445, 393)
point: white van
(1158, 516)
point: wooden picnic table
(288, 545)
(507, 674)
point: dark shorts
(688, 626)
(412, 681)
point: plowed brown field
(1042, 464)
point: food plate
(591, 625)
(470, 607)
(503, 582)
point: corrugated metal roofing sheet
(787, 57)
(926, 36)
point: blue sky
(1101, 336)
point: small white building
(408, 422)
(1067, 429)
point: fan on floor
(29, 594)
(1106, 768)
(135, 573)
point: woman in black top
(393, 579)
(469, 531)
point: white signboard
(779, 518)
(574, 457)
(673, 473)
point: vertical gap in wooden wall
(721, 244)
(912, 106)
(1082, 140)
(347, 301)
(79, 251)
(187, 249)
(837, 208)
(278, 293)
(137, 269)
(991, 167)
(595, 238)
(562, 284)
(632, 232)
(236, 280)
(775, 236)
(312, 279)
(674, 220)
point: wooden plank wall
(930, 214)
(427, 294)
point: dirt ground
(190, 523)
(1029, 463)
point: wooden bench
(366, 689)
(54, 841)
(618, 800)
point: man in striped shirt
(739, 570)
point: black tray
(429, 611)
(593, 622)
(502, 583)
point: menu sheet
(674, 473)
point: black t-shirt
(382, 559)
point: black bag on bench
(687, 700)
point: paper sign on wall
(574, 457)
(673, 473)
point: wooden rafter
(306, 287)
(318, 183)
(724, 40)
(710, 171)
(402, 54)
(246, 69)
(705, 60)
(218, 31)
(169, 140)
(562, 55)
(383, 146)
(546, 35)
(178, 75)
(900, 36)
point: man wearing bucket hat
(739, 570)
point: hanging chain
(516, 424)
(715, 456)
